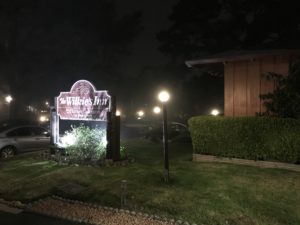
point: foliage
(123, 153)
(200, 27)
(83, 143)
(257, 138)
(284, 101)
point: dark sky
(46, 55)
(155, 18)
(56, 46)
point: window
(19, 132)
(38, 131)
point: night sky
(119, 46)
(60, 39)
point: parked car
(176, 131)
(25, 138)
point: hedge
(256, 138)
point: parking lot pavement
(31, 219)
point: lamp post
(164, 97)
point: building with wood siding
(244, 79)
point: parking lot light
(164, 97)
(8, 99)
(156, 110)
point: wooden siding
(228, 93)
(240, 89)
(244, 81)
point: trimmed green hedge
(257, 138)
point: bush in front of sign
(83, 144)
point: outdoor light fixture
(156, 110)
(118, 113)
(164, 97)
(43, 118)
(8, 98)
(215, 112)
(140, 113)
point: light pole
(164, 97)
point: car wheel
(7, 152)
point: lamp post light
(156, 110)
(118, 112)
(8, 99)
(215, 112)
(140, 114)
(164, 97)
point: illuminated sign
(83, 102)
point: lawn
(202, 193)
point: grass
(203, 193)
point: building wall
(244, 82)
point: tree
(284, 101)
(43, 40)
(201, 27)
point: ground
(202, 193)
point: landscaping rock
(75, 211)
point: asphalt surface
(31, 219)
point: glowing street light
(118, 112)
(164, 97)
(8, 99)
(43, 118)
(215, 112)
(140, 113)
(156, 110)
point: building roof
(231, 56)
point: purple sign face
(83, 102)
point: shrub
(83, 143)
(257, 138)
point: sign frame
(83, 102)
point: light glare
(8, 98)
(156, 110)
(215, 112)
(43, 118)
(140, 113)
(163, 96)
